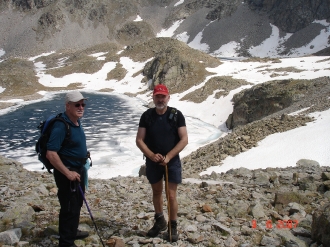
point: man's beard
(161, 106)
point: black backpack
(45, 128)
(172, 118)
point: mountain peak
(218, 27)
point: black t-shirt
(161, 133)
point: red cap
(160, 89)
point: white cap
(74, 96)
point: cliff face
(292, 16)
(35, 26)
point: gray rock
(261, 179)
(11, 237)
(299, 231)
(269, 241)
(307, 183)
(19, 214)
(230, 242)
(237, 208)
(327, 194)
(41, 189)
(191, 228)
(294, 207)
(326, 176)
(194, 238)
(289, 238)
(51, 230)
(257, 211)
(222, 228)
(321, 225)
(142, 171)
(308, 163)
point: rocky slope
(259, 112)
(264, 207)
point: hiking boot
(174, 231)
(81, 234)
(160, 225)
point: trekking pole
(168, 205)
(90, 213)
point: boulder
(321, 225)
(10, 237)
(282, 199)
(19, 214)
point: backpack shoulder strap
(173, 117)
(149, 117)
(59, 117)
(173, 114)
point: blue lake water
(110, 123)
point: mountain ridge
(33, 27)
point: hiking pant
(71, 201)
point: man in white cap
(68, 156)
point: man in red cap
(161, 136)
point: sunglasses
(78, 105)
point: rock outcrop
(277, 97)
(178, 66)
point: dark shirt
(161, 135)
(76, 147)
